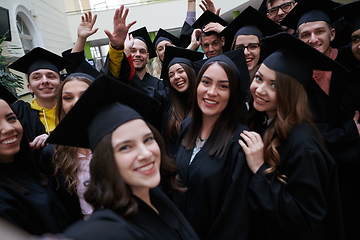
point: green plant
(8, 79)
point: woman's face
(160, 49)
(178, 78)
(11, 133)
(213, 91)
(263, 91)
(137, 156)
(252, 52)
(72, 91)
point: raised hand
(118, 36)
(209, 5)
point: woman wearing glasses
(246, 32)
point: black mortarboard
(309, 11)
(143, 35)
(249, 22)
(86, 70)
(296, 58)
(206, 18)
(178, 55)
(6, 95)
(39, 58)
(350, 12)
(99, 112)
(164, 35)
(236, 60)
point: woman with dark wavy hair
(129, 163)
(294, 190)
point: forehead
(245, 39)
(275, 3)
(72, 84)
(356, 33)
(175, 67)
(138, 44)
(311, 26)
(43, 71)
(211, 38)
(4, 107)
(163, 43)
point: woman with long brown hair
(294, 191)
(129, 162)
(212, 165)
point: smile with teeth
(180, 83)
(210, 101)
(9, 141)
(145, 168)
(260, 99)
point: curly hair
(107, 188)
(65, 159)
(292, 109)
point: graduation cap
(350, 12)
(236, 60)
(297, 59)
(178, 55)
(6, 95)
(249, 22)
(143, 35)
(310, 11)
(99, 111)
(39, 58)
(85, 70)
(206, 18)
(163, 35)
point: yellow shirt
(115, 59)
(47, 116)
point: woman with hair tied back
(294, 190)
(129, 162)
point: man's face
(139, 54)
(355, 44)
(43, 83)
(318, 35)
(212, 45)
(278, 9)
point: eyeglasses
(252, 47)
(285, 7)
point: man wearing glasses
(278, 9)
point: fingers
(251, 138)
(39, 142)
(131, 24)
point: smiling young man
(206, 34)
(43, 70)
(278, 9)
(326, 92)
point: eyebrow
(9, 114)
(176, 69)
(128, 141)
(71, 92)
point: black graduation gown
(37, 211)
(339, 132)
(215, 200)
(308, 206)
(107, 225)
(70, 201)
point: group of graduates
(256, 136)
